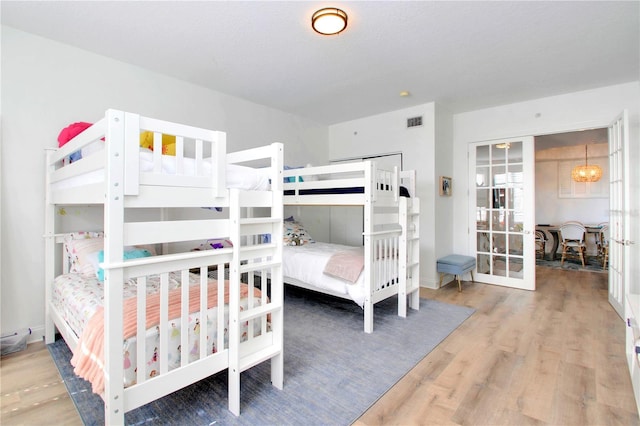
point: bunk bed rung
(250, 267)
(259, 226)
(259, 311)
(396, 232)
(257, 250)
(259, 220)
(166, 258)
(257, 357)
(151, 390)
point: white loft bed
(113, 178)
(391, 227)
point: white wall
(386, 133)
(557, 114)
(46, 86)
(443, 205)
(553, 209)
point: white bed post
(49, 252)
(403, 258)
(413, 246)
(219, 156)
(277, 285)
(114, 242)
(369, 178)
(234, 303)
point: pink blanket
(347, 265)
(88, 358)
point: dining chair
(573, 235)
(603, 244)
(541, 241)
(577, 222)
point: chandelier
(586, 173)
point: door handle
(623, 242)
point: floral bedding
(77, 298)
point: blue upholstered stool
(456, 264)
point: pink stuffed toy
(71, 132)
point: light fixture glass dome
(329, 21)
(586, 172)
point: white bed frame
(391, 225)
(124, 187)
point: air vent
(414, 122)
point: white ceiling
(584, 137)
(462, 55)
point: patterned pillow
(82, 250)
(78, 245)
(295, 234)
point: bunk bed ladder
(49, 265)
(409, 255)
(252, 257)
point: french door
(502, 221)
(619, 236)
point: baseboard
(37, 334)
(430, 284)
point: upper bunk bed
(111, 169)
(357, 183)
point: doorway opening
(560, 199)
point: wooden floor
(32, 392)
(550, 357)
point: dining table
(554, 231)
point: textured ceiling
(462, 55)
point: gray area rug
(333, 371)
(592, 264)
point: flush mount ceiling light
(329, 21)
(505, 145)
(586, 173)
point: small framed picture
(445, 185)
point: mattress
(77, 297)
(333, 191)
(307, 262)
(240, 177)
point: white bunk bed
(125, 181)
(390, 234)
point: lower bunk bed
(137, 307)
(77, 307)
(177, 325)
(386, 265)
